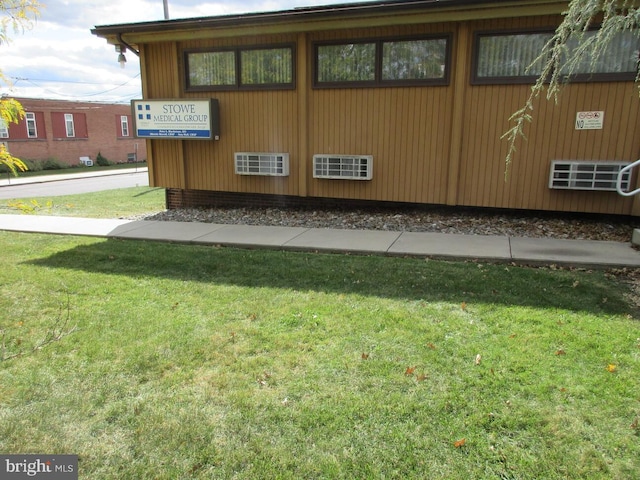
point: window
(414, 59)
(68, 124)
(619, 61)
(240, 68)
(512, 57)
(124, 125)
(347, 62)
(411, 61)
(211, 69)
(271, 66)
(508, 57)
(32, 130)
(4, 130)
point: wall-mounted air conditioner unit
(345, 167)
(583, 175)
(269, 164)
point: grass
(124, 202)
(180, 361)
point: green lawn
(118, 203)
(166, 361)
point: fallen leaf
(611, 368)
(365, 356)
(433, 347)
(463, 305)
(421, 378)
(478, 359)
(513, 335)
(634, 424)
(460, 443)
(575, 284)
(409, 371)
(560, 352)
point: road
(79, 184)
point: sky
(58, 57)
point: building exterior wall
(431, 144)
(97, 129)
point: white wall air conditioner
(345, 167)
(583, 175)
(268, 164)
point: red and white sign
(589, 120)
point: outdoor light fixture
(121, 58)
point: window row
(498, 57)
(63, 125)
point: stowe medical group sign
(176, 119)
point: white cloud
(59, 58)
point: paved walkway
(7, 180)
(435, 245)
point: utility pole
(166, 9)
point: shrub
(102, 161)
(34, 165)
(52, 164)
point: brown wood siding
(431, 144)
(406, 129)
(162, 80)
(250, 121)
(551, 136)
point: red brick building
(66, 131)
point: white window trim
(69, 125)
(31, 120)
(124, 125)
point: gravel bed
(442, 220)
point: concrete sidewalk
(434, 245)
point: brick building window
(124, 126)
(68, 123)
(32, 129)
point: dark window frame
(502, 80)
(237, 50)
(531, 79)
(378, 82)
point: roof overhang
(309, 19)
